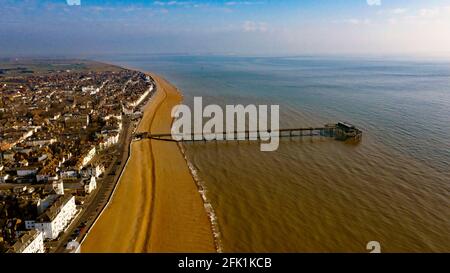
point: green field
(24, 67)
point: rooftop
(24, 241)
(51, 213)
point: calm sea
(318, 194)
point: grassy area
(23, 67)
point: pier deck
(340, 131)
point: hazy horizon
(258, 27)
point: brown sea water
(317, 194)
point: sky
(252, 27)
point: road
(105, 186)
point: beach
(156, 206)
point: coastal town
(64, 135)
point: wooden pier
(339, 131)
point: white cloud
(251, 26)
(355, 21)
(173, 3)
(398, 11)
(236, 3)
(429, 13)
(393, 12)
(374, 2)
(352, 21)
(392, 21)
(74, 2)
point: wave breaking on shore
(201, 187)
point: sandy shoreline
(156, 206)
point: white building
(117, 116)
(69, 173)
(91, 185)
(127, 110)
(88, 157)
(96, 171)
(19, 189)
(142, 97)
(29, 224)
(3, 178)
(90, 89)
(109, 140)
(57, 217)
(45, 177)
(58, 187)
(26, 171)
(56, 116)
(29, 132)
(40, 142)
(43, 204)
(8, 155)
(31, 242)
